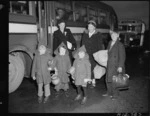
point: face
(81, 54)
(114, 36)
(42, 49)
(62, 51)
(62, 25)
(91, 28)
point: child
(81, 72)
(40, 72)
(115, 63)
(62, 65)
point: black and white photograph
(78, 57)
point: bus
(34, 21)
(132, 32)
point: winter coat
(59, 37)
(92, 45)
(40, 67)
(63, 64)
(82, 68)
(116, 58)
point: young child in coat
(81, 72)
(62, 64)
(40, 71)
(115, 63)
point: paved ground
(24, 99)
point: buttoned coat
(116, 58)
(63, 64)
(82, 68)
(40, 67)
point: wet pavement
(135, 99)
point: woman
(92, 39)
(64, 35)
(115, 63)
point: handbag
(121, 81)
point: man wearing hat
(64, 35)
(92, 39)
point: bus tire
(16, 72)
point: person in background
(40, 71)
(115, 63)
(92, 39)
(64, 35)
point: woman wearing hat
(115, 63)
(92, 39)
(64, 35)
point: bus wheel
(16, 72)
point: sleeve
(69, 62)
(88, 69)
(100, 42)
(122, 55)
(72, 39)
(55, 41)
(34, 66)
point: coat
(116, 58)
(40, 67)
(59, 37)
(82, 68)
(92, 45)
(63, 64)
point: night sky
(131, 9)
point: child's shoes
(66, 94)
(83, 100)
(40, 99)
(46, 99)
(78, 97)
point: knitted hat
(92, 22)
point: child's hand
(49, 68)
(33, 78)
(119, 69)
(87, 80)
(72, 70)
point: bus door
(45, 11)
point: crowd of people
(67, 61)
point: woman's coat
(116, 58)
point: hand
(72, 70)
(119, 69)
(33, 78)
(49, 68)
(69, 45)
(87, 80)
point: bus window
(93, 15)
(80, 13)
(64, 10)
(131, 28)
(19, 7)
(102, 18)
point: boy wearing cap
(115, 63)
(92, 39)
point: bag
(99, 71)
(101, 57)
(121, 81)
